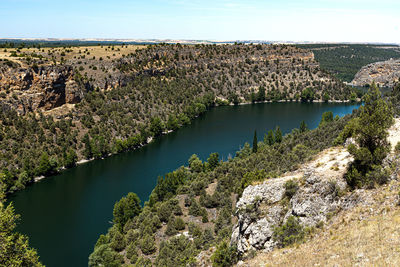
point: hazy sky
(301, 20)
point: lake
(65, 214)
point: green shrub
(147, 245)
(224, 255)
(131, 253)
(291, 187)
(289, 233)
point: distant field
(48, 55)
(344, 60)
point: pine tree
(278, 135)
(303, 127)
(371, 130)
(255, 145)
(269, 139)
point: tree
(289, 233)
(14, 247)
(255, 145)
(171, 226)
(371, 132)
(327, 117)
(87, 152)
(213, 161)
(46, 166)
(195, 163)
(147, 245)
(261, 94)
(103, 255)
(278, 135)
(303, 127)
(156, 126)
(172, 123)
(307, 95)
(224, 255)
(127, 208)
(70, 158)
(269, 139)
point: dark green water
(64, 215)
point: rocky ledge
(319, 195)
(44, 88)
(385, 74)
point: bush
(147, 245)
(224, 256)
(397, 147)
(131, 253)
(105, 256)
(289, 233)
(291, 188)
(178, 251)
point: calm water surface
(65, 214)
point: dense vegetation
(169, 85)
(345, 60)
(200, 200)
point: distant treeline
(42, 43)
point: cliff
(320, 200)
(43, 88)
(385, 74)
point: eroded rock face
(385, 73)
(263, 207)
(45, 88)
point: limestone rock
(384, 73)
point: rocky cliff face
(44, 88)
(385, 73)
(264, 207)
(322, 193)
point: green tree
(103, 255)
(261, 94)
(269, 139)
(303, 127)
(195, 163)
(171, 226)
(127, 208)
(14, 247)
(46, 166)
(147, 245)
(156, 126)
(278, 135)
(224, 255)
(327, 117)
(371, 132)
(255, 142)
(87, 152)
(70, 159)
(213, 161)
(172, 123)
(289, 233)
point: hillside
(61, 105)
(384, 74)
(345, 60)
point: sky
(284, 20)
